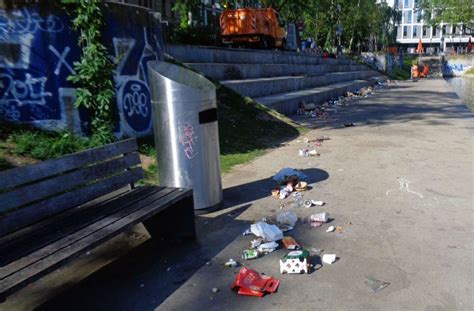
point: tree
(448, 11)
(362, 21)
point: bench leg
(177, 221)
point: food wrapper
(249, 282)
(290, 243)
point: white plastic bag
(266, 231)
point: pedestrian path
(399, 183)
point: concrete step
(275, 85)
(224, 71)
(288, 103)
(206, 54)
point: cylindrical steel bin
(186, 133)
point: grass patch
(246, 127)
(43, 146)
(228, 161)
(151, 175)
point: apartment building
(412, 27)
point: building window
(453, 29)
(414, 31)
(409, 17)
(397, 2)
(418, 16)
(424, 31)
(405, 31)
(405, 3)
(434, 31)
(443, 30)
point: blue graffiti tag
(135, 98)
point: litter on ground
(295, 262)
(290, 243)
(329, 258)
(330, 229)
(249, 282)
(375, 285)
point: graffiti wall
(382, 61)
(457, 65)
(37, 53)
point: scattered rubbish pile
(268, 233)
(325, 108)
(271, 233)
(310, 144)
(289, 180)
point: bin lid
(176, 83)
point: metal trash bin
(186, 133)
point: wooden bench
(56, 210)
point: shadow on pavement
(397, 107)
(262, 188)
(148, 274)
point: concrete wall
(37, 53)
(382, 61)
(457, 65)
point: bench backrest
(31, 193)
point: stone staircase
(279, 80)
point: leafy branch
(95, 89)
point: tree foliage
(448, 11)
(363, 21)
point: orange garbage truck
(261, 27)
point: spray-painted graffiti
(132, 80)
(20, 98)
(455, 69)
(31, 91)
(37, 53)
(188, 139)
(25, 21)
(61, 59)
(135, 99)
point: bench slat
(85, 240)
(22, 175)
(25, 216)
(37, 226)
(46, 188)
(65, 241)
(18, 246)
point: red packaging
(251, 283)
